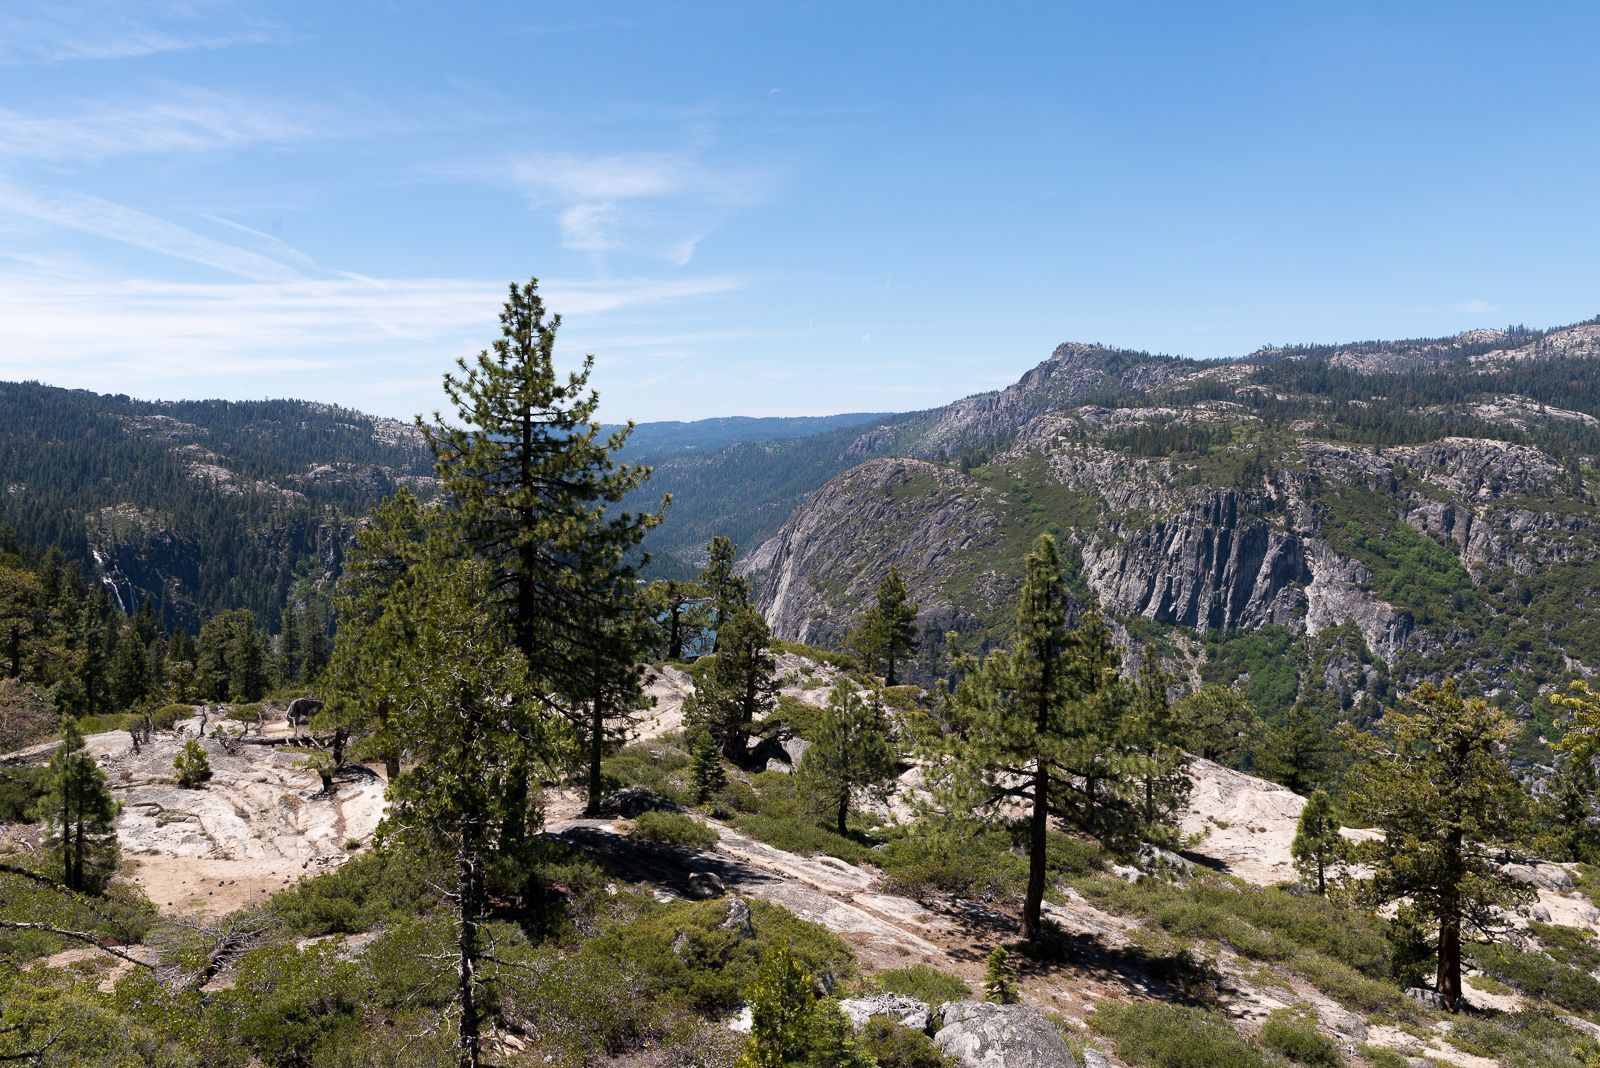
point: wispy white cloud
(1477, 307)
(659, 204)
(52, 31)
(119, 333)
(116, 222)
(186, 120)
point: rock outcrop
(982, 1035)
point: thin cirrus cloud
(656, 204)
(50, 31)
(348, 336)
(188, 120)
(117, 222)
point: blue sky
(773, 209)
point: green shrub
(1383, 1058)
(893, 1046)
(284, 1001)
(1571, 944)
(662, 765)
(20, 789)
(923, 982)
(1162, 1035)
(1295, 1035)
(776, 809)
(1528, 1039)
(376, 888)
(245, 713)
(685, 956)
(111, 721)
(168, 716)
(1539, 976)
(192, 766)
(980, 866)
(673, 828)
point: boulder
(302, 709)
(1431, 998)
(738, 917)
(905, 1011)
(1093, 1058)
(981, 1035)
(1543, 876)
(704, 885)
(631, 801)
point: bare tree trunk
(1033, 904)
(467, 950)
(1448, 981)
(844, 810)
(597, 737)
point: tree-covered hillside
(196, 506)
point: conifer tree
(130, 671)
(532, 484)
(192, 765)
(790, 1026)
(313, 644)
(1444, 798)
(1161, 767)
(736, 686)
(1299, 751)
(78, 809)
(1039, 726)
(374, 587)
(726, 591)
(677, 604)
(533, 488)
(465, 708)
(1567, 810)
(849, 751)
(1316, 840)
(1217, 723)
(707, 770)
(886, 636)
(999, 978)
(289, 661)
(616, 677)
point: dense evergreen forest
(195, 506)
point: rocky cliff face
(1224, 498)
(923, 518)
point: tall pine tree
(533, 487)
(886, 636)
(78, 809)
(1038, 727)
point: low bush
(111, 721)
(20, 790)
(662, 765)
(776, 809)
(1539, 976)
(1295, 1036)
(979, 866)
(892, 1046)
(923, 982)
(1571, 944)
(376, 888)
(168, 716)
(673, 828)
(1163, 1035)
(1529, 1039)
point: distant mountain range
(1324, 522)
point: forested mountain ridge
(197, 506)
(1322, 521)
